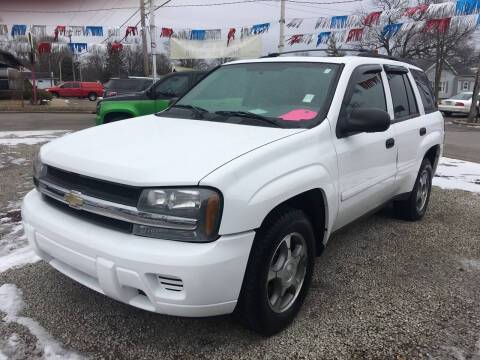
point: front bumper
(456, 109)
(168, 277)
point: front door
(366, 161)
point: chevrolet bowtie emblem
(73, 199)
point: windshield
(462, 96)
(285, 94)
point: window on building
(443, 86)
(466, 85)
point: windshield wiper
(197, 110)
(249, 115)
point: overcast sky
(206, 17)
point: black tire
(92, 96)
(414, 208)
(117, 117)
(55, 94)
(254, 308)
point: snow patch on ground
(29, 137)
(471, 264)
(457, 174)
(11, 303)
(17, 258)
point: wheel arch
(433, 155)
(314, 204)
(111, 114)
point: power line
(256, 1)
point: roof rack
(361, 52)
(310, 50)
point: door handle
(423, 131)
(389, 143)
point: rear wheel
(278, 273)
(415, 206)
(92, 96)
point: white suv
(221, 203)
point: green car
(156, 98)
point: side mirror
(365, 120)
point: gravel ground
(383, 288)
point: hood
(140, 95)
(156, 151)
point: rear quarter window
(425, 90)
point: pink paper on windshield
(299, 114)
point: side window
(67, 85)
(172, 86)
(412, 102)
(399, 96)
(425, 90)
(76, 85)
(365, 90)
(404, 104)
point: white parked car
(221, 203)
(459, 103)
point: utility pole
(146, 72)
(282, 27)
(73, 56)
(153, 44)
(473, 108)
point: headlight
(39, 170)
(190, 214)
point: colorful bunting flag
(390, 30)
(338, 22)
(44, 47)
(77, 47)
(372, 18)
(355, 35)
(93, 30)
(260, 28)
(59, 30)
(323, 37)
(467, 7)
(231, 35)
(18, 30)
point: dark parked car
(154, 99)
(118, 86)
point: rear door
(406, 123)
(366, 161)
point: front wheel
(92, 96)
(55, 94)
(278, 273)
(415, 206)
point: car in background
(459, 103)
(120, 86)
(79, 89)
(156, 98)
